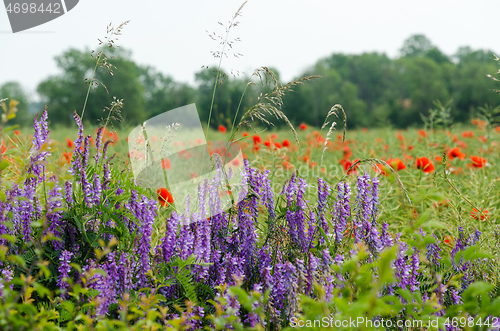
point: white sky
(289, 35)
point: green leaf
(9, 237)
(405, 294)
(435, 225)
(473, 253)
(12, 127)
(4, 164)
(41, 290)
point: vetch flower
(64, 269)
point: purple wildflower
(168, 242)
(433, 253)
(98, 143)
(375, 201)
(415, 262)
(323, 193)
(146, 217)
(86, 186)
(68, 193)
(267, 194)
(76, 162)
(385, 237)
(54, 213)
(7, 275)
(402, 270)
(64, 269)
(342, 210)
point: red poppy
(382, 169)
(448, 240)
(347, 164)
(69, 143)
(244, 134)
(396, 164)
(108, 135)
(455, 152)
(164, 196)
(274, 136)
(287, 165)
(347, 152)
(68, 156)
(425, 164)
(277, 145)
(165, 164)
(2, 149)
(475, 214)
(483, 139)
(478, 162)
(468, 134)
(256, 139)
(422, 133)
(461, 144)
(303, 126)
(479, 123)
(497, 129)
(286, 143)
(17, 132)
(222, 128)
(410, 147)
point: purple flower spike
(64, 269)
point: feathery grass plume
(498, 72)
(114, 112)
(457, 191)
(224, 41)
(271, 102)
(333, 111)
(101, 59)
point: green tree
(162, 93)
(66, 92)
(467, 55)
(416, 45)
(227, 96)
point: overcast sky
(289, 35)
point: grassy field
(435, 187)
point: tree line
(374, 89)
